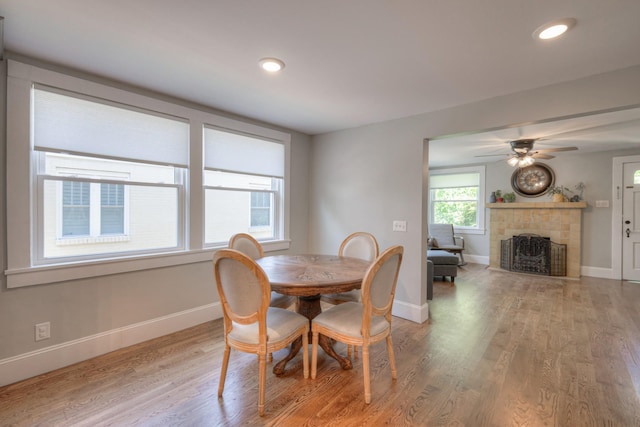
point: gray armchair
(441, 237)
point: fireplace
(531, 253)
(560, 221)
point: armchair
(441, 237)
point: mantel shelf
(538, 205)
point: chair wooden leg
(392, 359)
(348, 350)
(270, 357)
(262, 382)
(314, 354)
(305, 354)
(365, 373)
(223, 372)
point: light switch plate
(399, 225)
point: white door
(631, 222)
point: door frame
(616, 214)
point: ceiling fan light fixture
(526, 161)
(554, 29)
(513, 161)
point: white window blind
(228, 151)
(64, 123)
(454, 180)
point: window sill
(45, 274)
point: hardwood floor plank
(500, 349)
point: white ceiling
(348, 63)
(615, 130)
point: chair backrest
(443, 233)
(360, 245)
(379, 285)
(246, 244)
(244, 290)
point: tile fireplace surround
(562, 222)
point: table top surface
(309, 275)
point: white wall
(366, 177)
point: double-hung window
(456, 197)
(105, 180)
(109, 177)
(243, 184)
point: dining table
(307, 277)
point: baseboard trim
(602, 273)
(38, 362)
(412, 312)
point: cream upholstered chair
(441, 236)
(357, 245)
(250, 325)
(367, 322)
(249, 246)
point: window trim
(481, 171)
(21, 270)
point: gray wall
(82, 308)
(366, 177)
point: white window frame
(21, 268)
(481, 171)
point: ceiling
(614, 130)
(348, 63)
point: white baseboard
(38, 362)
(603, 273)
(476, 259)
(415, 313)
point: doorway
(625, 227)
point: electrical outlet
(400, 225)
(43, 331)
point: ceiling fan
(524, 154)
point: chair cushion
(347, 319)
(441, 257)
(281, 323)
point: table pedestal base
(310, 308)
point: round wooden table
(307, 277)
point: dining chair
(361, 245)
(357, 245)
(250, 324)
(367, 322)
(248, 245)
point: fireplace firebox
(531, 253)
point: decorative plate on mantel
(532, 181)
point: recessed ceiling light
(554, 29)
(271, 64)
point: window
(79, 209)
(112, 181)
(93, 205)
(243, 186)
(261, 209)
(456, 197)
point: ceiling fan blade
(555, 149)
(537, 155)
(493, 155)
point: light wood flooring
(500, 349)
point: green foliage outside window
(457, 206)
